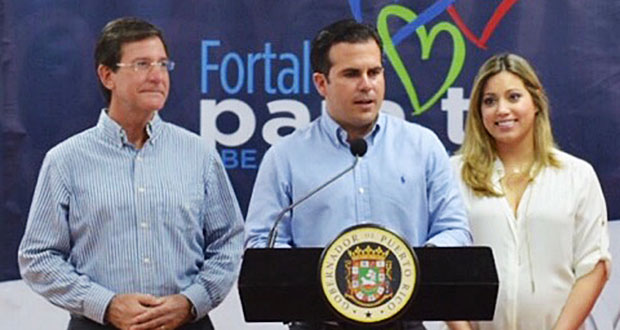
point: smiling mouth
(506, 123)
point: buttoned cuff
(199, 297)
(96, 303)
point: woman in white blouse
(541, 210)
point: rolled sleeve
(591, 238)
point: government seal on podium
(368, 275)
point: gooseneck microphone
(358, 148)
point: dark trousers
(402, 325)
(82, 323)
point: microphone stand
(273, 233)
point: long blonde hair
(478, 150)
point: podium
(282, 285)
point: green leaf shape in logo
(426, 41)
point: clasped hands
(136, 311)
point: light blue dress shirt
(404, 182)
(108, 218)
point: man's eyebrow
(146, 58)
(350, 70)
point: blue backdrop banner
(243, 77)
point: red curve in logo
(499, 13)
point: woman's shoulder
(571, 162)
(573, 169)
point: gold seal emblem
(368, 274)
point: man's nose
(157, 73)
(365, 82)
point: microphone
(358, 148)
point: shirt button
(361, 190)
(144, 224)
(139, 158)
(147, 260)
(141, 189)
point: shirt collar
(338, 135)
(116, 133)
(499, 171)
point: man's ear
(320, 82)
(105, 76)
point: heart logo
(498, 15)
(426, 42)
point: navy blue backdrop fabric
(243, 78)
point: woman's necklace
(519, 170)
(514, 182)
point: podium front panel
(281, 285)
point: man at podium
(403, 182)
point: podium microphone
(358, 148)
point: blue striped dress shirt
(108, 218)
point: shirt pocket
(179, 205)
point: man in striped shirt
(133, 223)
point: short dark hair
(117, 33)
(347, 30)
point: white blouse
(559, 234)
